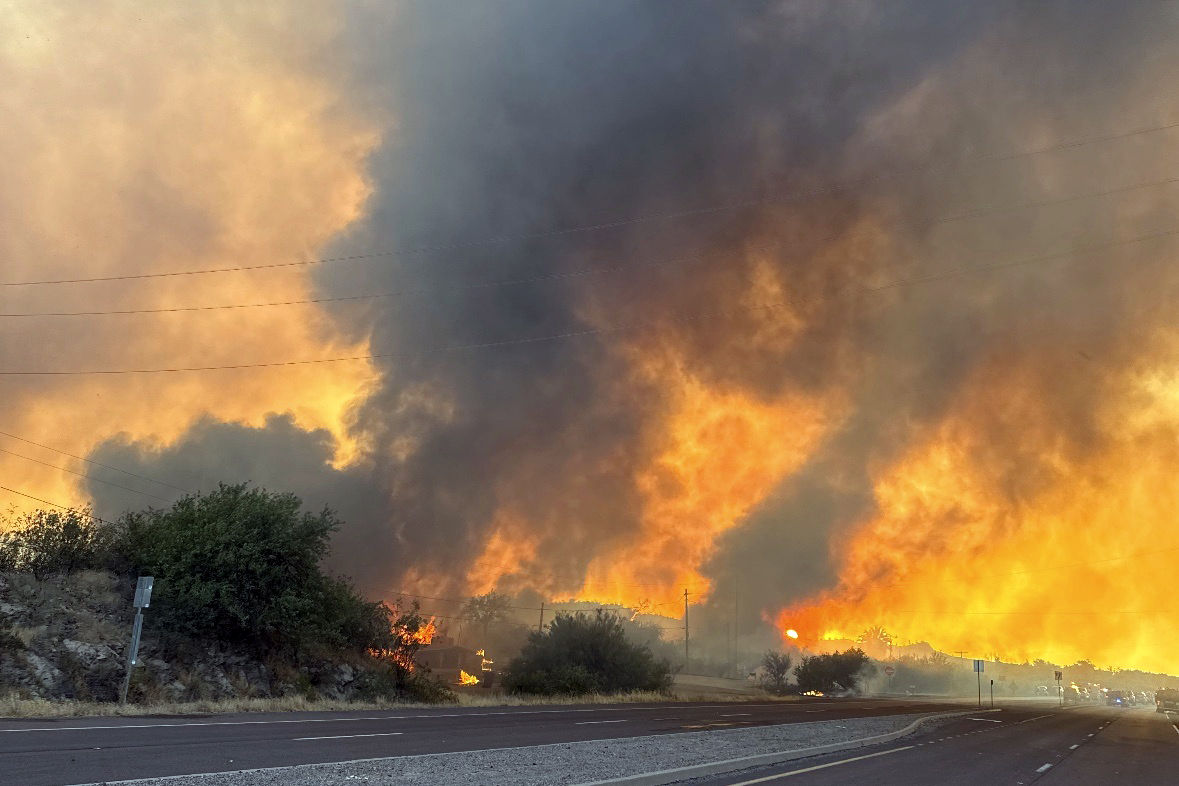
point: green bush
(47, 543)
(241, 566)
(840, 671)
(584, 653)
(776, 672)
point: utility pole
(686, 656)
(732, 668)
(736, 618)
(540, 625)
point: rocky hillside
(66, 637)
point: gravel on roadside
(560, 764)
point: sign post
(142, 601)
(889, 670)
(1059, 691)
(992, 694)
(978, 670)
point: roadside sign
(1059, 676)
(978, 666)
(141, 602)
(889, 670)
(143, 591)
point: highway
(63, 751)
(1020, 745)
(1085, 746)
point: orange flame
(992, 535)
(467, 679)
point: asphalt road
(1084, 746)
(64, 751)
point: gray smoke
(518, 118)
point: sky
(854, 314)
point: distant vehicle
(1042, 690)
(1166, 699)
(1117, 698)
(1072, 695)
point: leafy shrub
(841, 671)
(776, 676)
(242, 566)
(46, 543)
(584, 653)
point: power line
(84, 475)
(79, 511)
(91, 461)
(796, 195)
(618, 328)
(586, 272)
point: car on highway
(1117, 698)
(1166, 700)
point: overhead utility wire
(79, 511)
(842, 186)
(84, 475)
(91, 461)
(615, 328)
(965, 216)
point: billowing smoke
(879, 365)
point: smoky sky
(515, 121)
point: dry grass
(14, 707)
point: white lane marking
(1176, 728)
(350, 736)
(1045, 768)
(779, 776)
(376, 717)
(736, 714)
(1029, 720)
(1074, 747)
(1090, 735)
(985, 720)
(592, 723)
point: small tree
(585, 653)
(776, 666)
(46, 543)
(487, 609)
(876, 640)
(841, 671)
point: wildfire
(991, 535)
(423, 635)
(467, 679)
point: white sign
(978, 666)
(143, 592)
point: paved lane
(71, 750)
(1086, 746)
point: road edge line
(661, 777)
